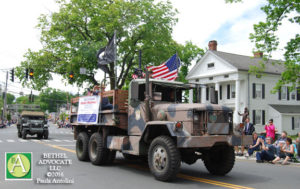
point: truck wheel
(219, 160)
(98, 153)
(164, 158)
(46, 134)
(24, 134)
(19, 134)
(82, 144)
(39, 136)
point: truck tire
(164, 158)
(219, 160)
(19, 134)
(24, 134)
(82, 144)
(46, 134)
(98, 153)
(39, 136)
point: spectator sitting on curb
(280, 142)
(288, 152)
(255, 146)
(298, 144)
(268, 152)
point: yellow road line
(183, 176)
(218, 183)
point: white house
(226, 75)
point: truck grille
(36, 125)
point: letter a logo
(18, 166)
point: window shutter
(287, 93)
(253, 116)
(279, 94)
(263, 92)
(263, 116)
(220, 92)
(253, 91)
(207, 93)
(228, 91)
(298, 93)
(293, 123)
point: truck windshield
(218, 117)
(36, 118)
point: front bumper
(35, 130)
(209, 141)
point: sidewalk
(253, 158)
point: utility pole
(5, 99)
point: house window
(211, 78)
(226, 76)
(233, 91)
(293, 95)
(258, 91)
(258, 117)
(284, 93)
(297, 123)
(210, 65)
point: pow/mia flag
(106, 55)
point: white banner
(88, 109)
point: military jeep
(152, 121)
(31, 123)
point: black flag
(106, 55)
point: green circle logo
(18, 165)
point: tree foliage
(72, 36)
(51, 99)
(266, 38)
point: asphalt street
(134, 174)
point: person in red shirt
(270, 129)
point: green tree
(51, 99)
(10, 98)
(266, 38)
(72, 36)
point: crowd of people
(265, 146)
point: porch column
(203, 94)
(191, 96)
(237, 102)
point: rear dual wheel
(98, 153)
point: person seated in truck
(105, 104)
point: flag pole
(115, 61)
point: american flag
(167, 70)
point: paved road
(133, 174)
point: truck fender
(158, 128)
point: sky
(198, 22)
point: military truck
(31, 123)
(151, 121)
